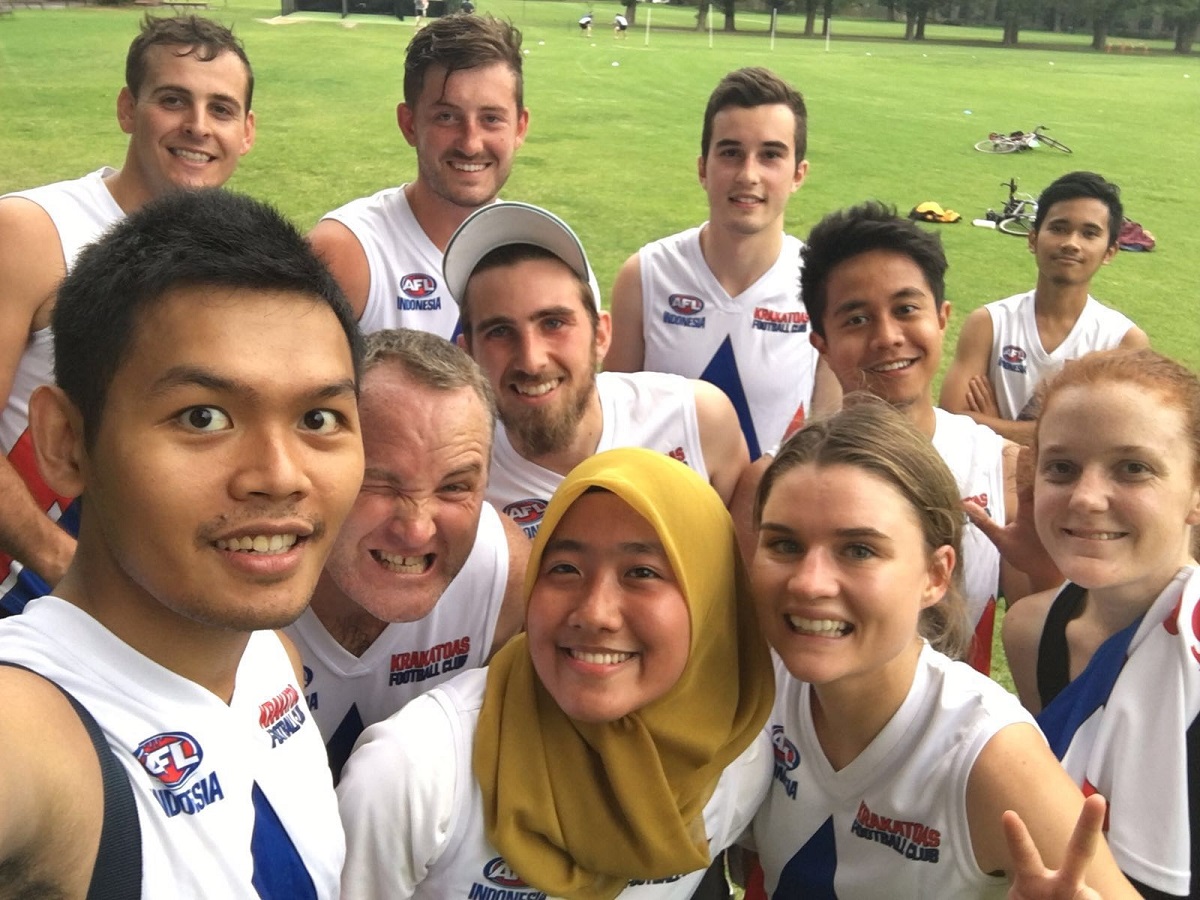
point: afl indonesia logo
(418, 284)
(498, 872)
(172, 757)
(786, 754)
(1014, 355)
(685, 305)
(526, 512)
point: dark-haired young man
(722, 301)
(464, 114)
(875, 287)
(186, 109)
(206, 369)
(1007, 347)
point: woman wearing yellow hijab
(613, 748)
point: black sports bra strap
(1054, 657)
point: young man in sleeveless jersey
(206, 369)
(722, 301)
(532, 324)
(1007, 347)
(186, 109)
(464, 114)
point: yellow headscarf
(579, 809)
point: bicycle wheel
(999, 145)
(1018, 226)
(1051, 142)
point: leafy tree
(1185, 16)
(727, 5)
(915, 12)
(1103, 13)
(810, 16)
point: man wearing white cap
(531, 321)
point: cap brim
(500, 225)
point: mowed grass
(615, 127)
(613, 148)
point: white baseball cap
(503, 224)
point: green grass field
(613, 148)
(615, 127)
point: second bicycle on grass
(1018, 214)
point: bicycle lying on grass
(998, 142)
(1018, 214)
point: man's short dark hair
(185, 239)
(751, 87)
(847, 233)
(1082, 186)
(462, 42)
(190, 36)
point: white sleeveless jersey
(641, 409)
(892, 823)
(975, 455)
(406, 290)
(754, 347)
(1019, 361)
(346, 693)
(234, 800)
(414, 812)
(81, 211)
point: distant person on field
(186, 109)
(425, 578)
(620, 25)
(585, 25)
(204, 407)
(722, 301)
(464, 114)
(467, 7)
(1007, 347)
(531, 320)
(422, 7)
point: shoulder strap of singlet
(1054, 657)
(117, 874)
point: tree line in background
(1179, 19)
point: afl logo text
(526, 512)
(685, 305)
(498, 872)
(418, 284)
(171, 757)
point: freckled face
(1115, 493)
